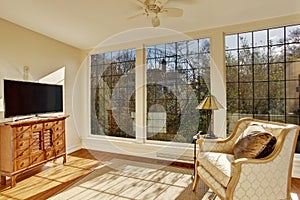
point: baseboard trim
(98, 153)
(73, 149)
(161, 151)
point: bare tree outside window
(112, 100)
(177, 80)
(177, 74)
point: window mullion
(140, 89)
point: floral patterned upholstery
(243, 178)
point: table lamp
(210, 103)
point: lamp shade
(210, 103)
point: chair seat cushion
(218, 165)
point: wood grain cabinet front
(30, 143)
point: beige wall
(21, 47)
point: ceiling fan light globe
(155, 21)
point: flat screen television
(23, 98)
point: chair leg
(196, 176)
(196, 180)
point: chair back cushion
(254, 145)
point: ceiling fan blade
(141, 13)
(140, 3)
(173, 12)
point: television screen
(27, 98)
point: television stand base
(16, 119)
(36, 116)
(46, 116)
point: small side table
(199, 135)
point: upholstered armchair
(234, 173)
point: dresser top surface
(34, 120)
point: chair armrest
(215, 145)
(242, 161)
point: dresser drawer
(23, 135)
(22, 153)
(58, 134)
(59, 141)
(59, 150)
(37, 157)
(58, 126)
(37, 127)
(22, 163)
(48, 125)
(49, 153)
(22, 144)
(20, 129)
(35, 146)
(58, 123)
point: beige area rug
(123, 179)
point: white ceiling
(86, 23)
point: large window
(112, 93)
(178, 78)
(263, 75)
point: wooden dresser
(30, 143)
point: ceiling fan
(151, 8)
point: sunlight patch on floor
(132, 180)
(54, 175)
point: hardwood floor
(295, 186)
(44, 182)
